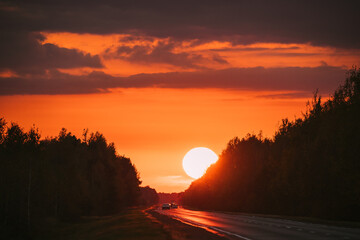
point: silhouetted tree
(310, 168)
(148, 197)
(62, 177)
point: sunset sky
(158, 78)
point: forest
(61, 177)
(311, 167)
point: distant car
(166, 206)
(174, 205)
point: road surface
(259, 228)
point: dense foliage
(148, 196)
(310, 168)
(170, 197)
(63, 177)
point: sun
(197, 160)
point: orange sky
(155, 127)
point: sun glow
(197, 160)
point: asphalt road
(259, 228)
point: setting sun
(197, 160)
(136, 112)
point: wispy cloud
(174, 180)
(163, 51)
(287, 95)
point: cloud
(325, 24)
(217, 58)
(288, 54)
(324, 78)
(174, 180)
(24, 53)
(258, 78)
(252, 49)
(163, 51)
(289, 95)
(53, 82)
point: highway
(247, 227)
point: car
(166, 206)
(174, 205)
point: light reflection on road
(256, 227)
(199, 219)
(203, 218)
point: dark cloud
(288, 54)
(289, 95)
(162, 52)
(324, 78)
(23, 53)
(276, 95)
(217, 58)
(54, 82)
(262, 51)
(330, 23)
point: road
(258, 228)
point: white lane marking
(230, 233)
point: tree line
(170, 197)
(148, 196)
(62, 177)
(311, 167)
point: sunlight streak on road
(253, 227)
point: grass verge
(131, 224)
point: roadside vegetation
(310, 168)
(129, 224)
(63, 178)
